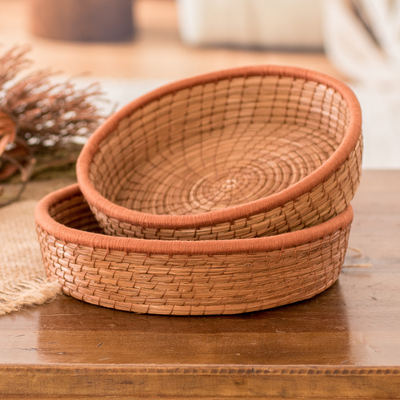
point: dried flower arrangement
(38, 117)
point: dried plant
(12, 63)
(38, 115)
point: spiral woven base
(240, 153)
(185, 278)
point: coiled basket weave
(240, 153)
(184, 277)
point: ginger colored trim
(132, 245)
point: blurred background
(133, 46)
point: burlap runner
(22, 275)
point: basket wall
(185, 284)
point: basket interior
(219, 144)
(74, 212)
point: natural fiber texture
(183, 277)
(22, 276)
(241, 153)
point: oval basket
(184, 277)
(240, 153)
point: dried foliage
(12, 63)
(40, 114)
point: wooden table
(344, 343)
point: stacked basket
(220, 194)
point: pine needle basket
(240, 153)
(185, 277)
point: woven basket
(240, 153)
(183, 277)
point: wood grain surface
(343, 343)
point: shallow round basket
(239, 153)
(185, 277)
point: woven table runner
(22, 275)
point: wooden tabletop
(344, 343)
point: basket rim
(184, 247)
(231, 213)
